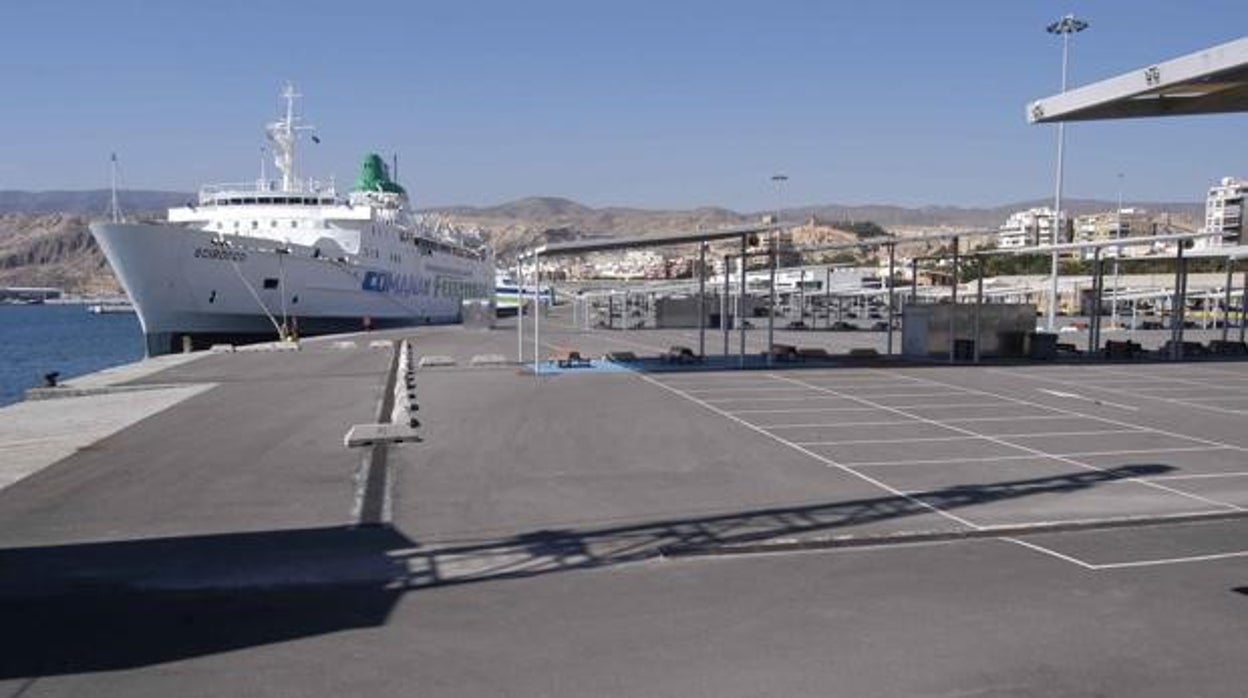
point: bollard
(401, 423)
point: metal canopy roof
(660, 240)
(1211, 81)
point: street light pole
(779, 179)
(1065, 26)
(1113, 321)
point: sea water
(39, 339)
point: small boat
(109, 308)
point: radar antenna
(284, 134)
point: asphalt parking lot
(1024, 530)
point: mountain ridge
(44, 239)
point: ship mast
(114, 208)
(284, 134)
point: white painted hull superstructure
(259, 262)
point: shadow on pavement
(115, 605)
(548, 551)
(103, 606)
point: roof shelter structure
(744, 233)
(1211, 81)
(696, 237)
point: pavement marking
(1107, 420)
(1024, 417)
(803, 409)
(1042, 453)
(921, 439)
(1073, 396)
(720, 400)
(1053, 456)
(906, 395)
(838, 425)
(1051, 553)
(823, 459)
(1116, 391)
(1182, 388)
(1198, 476)
(968, 405)
(862, 384)
(757, 389)
(1101, 432)
(1039, 452)
(942, 461)
(1069, 458)
(1168, 561)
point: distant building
(29, 294)
(1098, 227)
(1026, 229)
(1224, 210)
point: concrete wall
(925, 328)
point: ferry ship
(270, 260)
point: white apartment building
(1111, 225)
(1026, 228)
(1224, 210)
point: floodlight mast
(1065, 26)
(779, 179)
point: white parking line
(1132, 564)
(969, 405)
(1076, 396)
(721, 400)
(789, 410)
(1027, 417)
(823, 459)
(1116, 391)
(1101, 432)
(1198, 476)
(1083, 415)
(1039, 455)
(1038, 452)
(963, 437)
(772, 389)
(919, 439)
(1051, 553)
(942, 461)
(874, 396)
(1169, 561)
(838, 425)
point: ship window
(293, 224)
(273, 224)
(255, 224)
(270, 283)
(249, 201)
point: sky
(645, 103)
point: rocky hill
(52, 249)
(44, 239)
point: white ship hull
(190, 283)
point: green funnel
(375, 176)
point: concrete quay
(811, 531)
